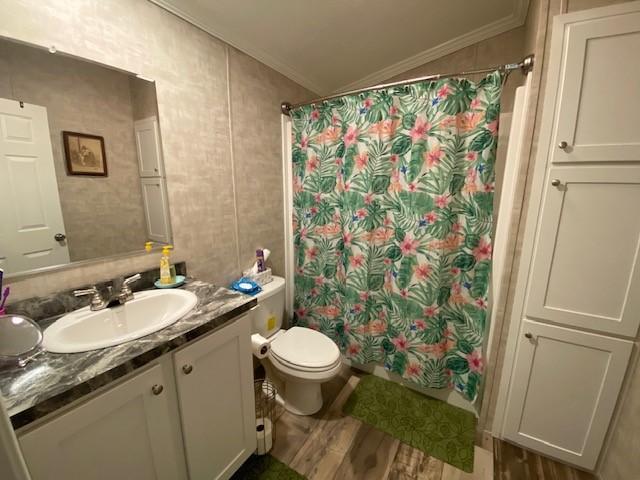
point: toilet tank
(268, 315)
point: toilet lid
(305, 347)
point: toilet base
(302, 398)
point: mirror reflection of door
(30, 213)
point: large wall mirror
(81, 168)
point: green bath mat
(435, 427)
(265, 467)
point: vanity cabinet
(190, 414)
(214, 378)
(125, 432)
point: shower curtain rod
(525, 65)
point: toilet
(299, 359)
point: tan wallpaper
(143, 98)
(102, 215)
(192, 72)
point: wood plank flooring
(330, 445)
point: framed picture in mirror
(85, 154)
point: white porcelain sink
(148, 312)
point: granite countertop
(53, 380)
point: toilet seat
(305, 354)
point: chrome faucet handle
(97, 302)
(126, 293)
(131, 279)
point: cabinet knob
(157, 389)
(59, 237)
(556, 182)
(528, 335)
(187, 369)
(563, 145)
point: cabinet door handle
(528, 335)
(157, 389)
(563, 145)
(556, 182)
(187, 369)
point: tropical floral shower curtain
(393, 204)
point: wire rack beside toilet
(265, 398)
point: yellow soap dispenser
(165, 266)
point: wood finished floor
(331, 445)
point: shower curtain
(392, 222)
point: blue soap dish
(179, 281)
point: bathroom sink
(148, 312)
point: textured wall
(192, 70)
(143, 98)
(102, 215)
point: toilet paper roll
(259, 345)
(264, 435)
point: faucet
(126, 293)
(98, 302)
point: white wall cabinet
(200, 425)
(586, 271)
(568, 383)
(215, 388)
(156, 209)
(577, 304)
(149, 147)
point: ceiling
(332, 45)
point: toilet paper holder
(265, 399)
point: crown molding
(252, 51)
(516, 19)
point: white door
(567, 387)
(149, 148)
(156, 209)
(126, 432)
(215, 390)
(30, 213)
(599, 102)
(586, 271)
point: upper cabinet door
(148, 147)
(597, 114)
(586, 270)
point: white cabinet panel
(149, 147)
(586, 270)
(156, 209)
(599, 101)
(215, 389)
(125, 432)
(568, 384)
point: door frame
(539, 185)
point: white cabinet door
(568, 384)
(30, 212)
(599, 102)
(586, 269)
(215, 390)
(149, 148)
(156, 209)
(123, 433)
